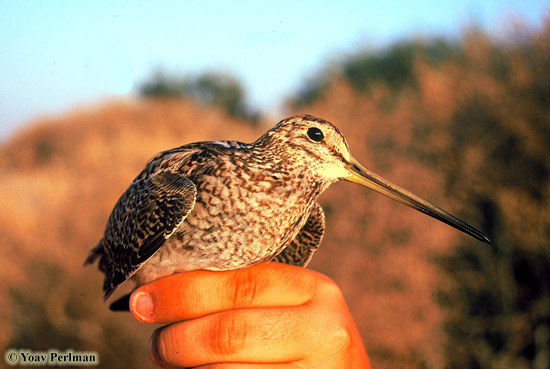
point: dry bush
(60, 179)
(477, 127)
(470, 134)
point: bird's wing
(147, 214)
(306, 242)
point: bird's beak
(364, 177)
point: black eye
(315, 134)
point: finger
(246, 335)
(292, 365)
(193, 294)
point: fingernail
(143, 306)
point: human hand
(255, 317)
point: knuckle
(334, 343)
(328, 289)
(340, 336)
(228, 336)
(336, 332)
(244, 286)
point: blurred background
(451, 100)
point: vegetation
(210, 89)
(463, 123)
(480, 115)
(392, 67)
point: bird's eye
(315, 134)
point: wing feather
(306, 242)
(145, 216)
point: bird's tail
(112, 277)
(94, 253)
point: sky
(60, 55)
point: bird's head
(311, 145)
(317, 147)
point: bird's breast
(237, 221)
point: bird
(223, 205)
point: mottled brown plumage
(223, 205)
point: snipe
(223, 205)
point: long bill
(364, 177)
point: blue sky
(57, 55)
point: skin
(270, 315)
